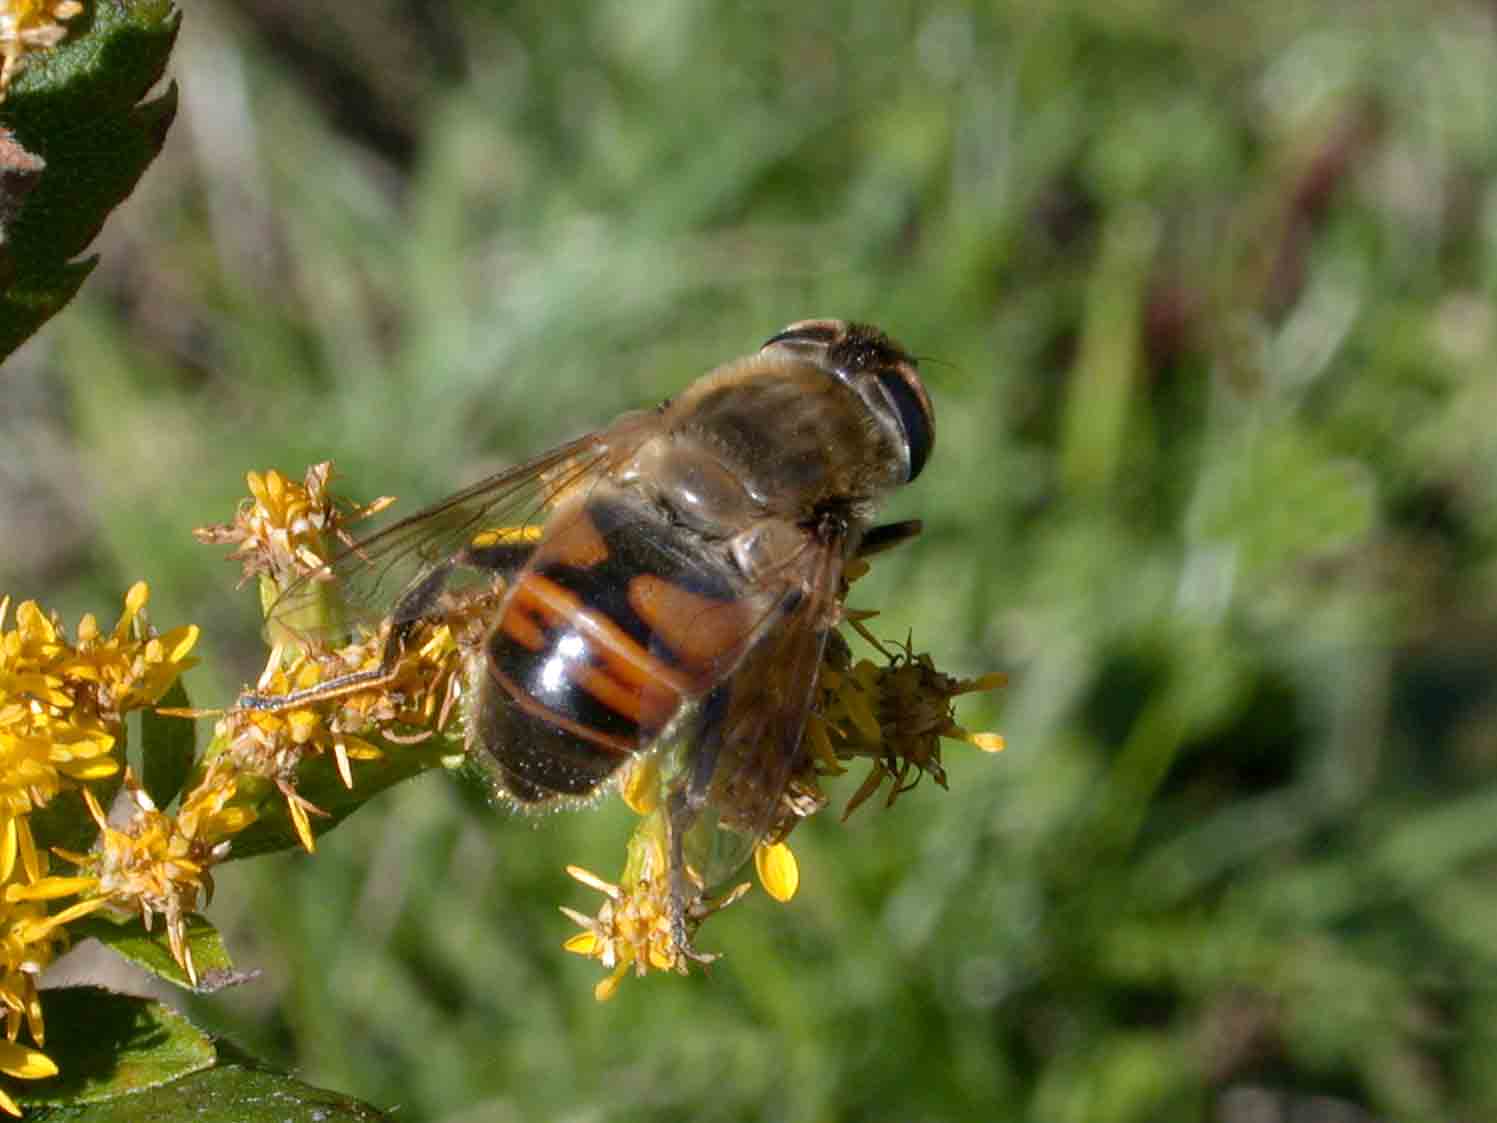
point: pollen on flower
(330, 689)
(412, 701)
(286, 529)
(155, 864)
(62, 704)
(27, 26)
(634, 930)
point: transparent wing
(401, 571)
(761, 720)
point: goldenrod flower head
(27, 945)
(635, 928)
(286, 529)
(414, 699)
(155, 864)
(130, 667)
(30, 938)
(30, 25)
(62, 705)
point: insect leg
(684, 806)
(886, 537)
(420, 602)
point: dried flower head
(895, 713)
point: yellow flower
(129, 668)
(157, 864)
(62, 705)
(413, 701)
(25, 1063)
(635, 929)
(30, 25)
(30, 938)
(286, 529)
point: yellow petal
(50, 888)
(583, 943)
(94, 810)
(136, 598)
(8, 844)
(302, 824)
(778, 871)
(609, 986)
(987, 742)
(184, 644)
(303, 725)
(340, 757)
(641, 786)
(95, 769)
(30, 861)
(360, 749)
(232, 820)
(26, 1063)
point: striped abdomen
(603, 639)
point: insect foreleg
(886, 537)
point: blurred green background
(1207, 295)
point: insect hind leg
(420, 602)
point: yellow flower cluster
(410, 702)
(635, 929)
(155, 864)
(27, 26)
(326, 694)
(62, 724)
(287, 530)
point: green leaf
(318, 782)
(152, 950)
(77, 109)
(65, 821)
(227, 1093)
(167, 747)
(106, 1045)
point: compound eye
(916, 418)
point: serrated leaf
(106, 1045)
(167, 747)
(152, 950)
(318, 782)
(227, 1093)
(78, 110)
